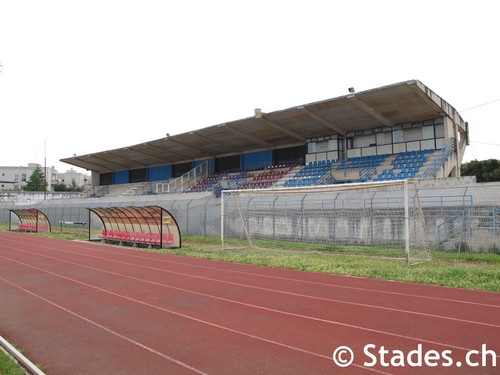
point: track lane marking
(164, 310)
(244, 304)
(409, 312)
(119, 335)
(122, 253)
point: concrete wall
(199, 214)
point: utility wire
(480, 105)
(485, 143)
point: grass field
(465, 270)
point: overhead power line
(480, 105)
(486, 143)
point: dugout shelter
(134, 225)
(28, 220)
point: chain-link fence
(457, 217)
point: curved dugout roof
(31, 220)
(384, 106)
(139, 219)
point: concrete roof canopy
(390, 105)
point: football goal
(378, 218)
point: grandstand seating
(267, 177)
(383, 167)
(311, 174)
(209, 182)
(244, 180)
(362, 162)
(405, 165)
(360, 169)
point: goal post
(377, 218)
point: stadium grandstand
(385, 135)
(393, 132)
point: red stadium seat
(168, 238)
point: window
(323, 146)
(411, 135)
(333, 145)
(428, 132)
(439, 131)
(384, 139)
(349, 143)
(397, 135)
(364, 141)
(23, 179)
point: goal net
(380, 218)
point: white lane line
(122, 253)
(409, 312)
(134, 342)
(419, 340)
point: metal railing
(95, 192)
(481, 222)
(366, 173)
(178, 184)
(455, 226)
(496, 221)
(439, 160)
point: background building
(16, 178)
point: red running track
(85, 308)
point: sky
(86, 76)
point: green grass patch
(8, 366)
(452, 270)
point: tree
(36, 181)
(484, 170)
(59, 187)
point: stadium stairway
(122, 189)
